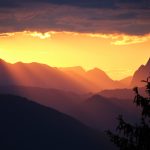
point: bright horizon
(113, 35)
(118, 55)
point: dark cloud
(92, 16)
(126, 16)
(9, 3)
(81, 3)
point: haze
(113, 35)
(66, 49)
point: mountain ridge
(28, 125)
(44, 76)
(141, 74)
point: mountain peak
(141, 74)
(1, 60)
(74, 69)
(79, 68)
(96, 70)
(148, 62)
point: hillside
(102, 112)
(88, 108)
(74, 79)
(27, 125)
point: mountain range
(74, 79)
(28, 125)
(68, 89)
(95, 110)
(69, 79)
(63, 101)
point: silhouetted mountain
(120, 93)
(64, 101)
(78, 74)
(142, 73)
(95, 80)
(102, 80)
(69, 79)
(76, 69)
(29, 126)
(37, 75)
(103, 111)
(44, 76)
(78, 106)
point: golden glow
(38, 34)
(118, 55)
(121, 39)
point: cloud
(116, 39)
(127, 40)
(81, 3)
(38, 34)
(86, 16)
(121, 39)
(7, 34)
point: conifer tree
(134, 136)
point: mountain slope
(102, 80)
(89, 109)
(37, 75)
(141, 74)
(27, 125)
(103, 111)
(70, 79)
(60, 100)
(121, 93)
(126, 81)
(95, 79)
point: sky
(113, 35)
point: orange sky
(118, 55)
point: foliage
(134, 137)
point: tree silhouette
(134, 137)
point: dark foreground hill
(25, 125)
(99, 112)
(63, 101)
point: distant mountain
(76, 69)
(141, 74)
(104, 111)
(121, 93)
(88, 108)
(37, 75)
(64, 101)
(27, 126)
(78, 74)
(70, 79)
(95, 79)
(102, 80)
(118, 93)
(126, 81)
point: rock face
(141, 74)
